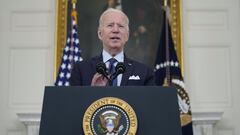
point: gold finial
(74, 12)
(74, 1)
(74, 15)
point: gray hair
(113, 10)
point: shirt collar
(106, 56)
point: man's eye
(120, 26)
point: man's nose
(115, 28)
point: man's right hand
(99, 80)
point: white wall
(26, 58)
(211, 47)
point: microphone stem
(110, 81)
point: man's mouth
(115, 38)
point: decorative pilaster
(203, 122)
(31, 121)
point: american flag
(168, 73)
(71, 55)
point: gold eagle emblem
(110, 122)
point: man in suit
(113, 31)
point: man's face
(113, 32)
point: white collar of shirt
(119, 57)
(106, 56)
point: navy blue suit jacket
(83, 72)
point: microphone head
(120, 68)
(101, 68)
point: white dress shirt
(119, 57)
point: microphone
(120, 69)
(101, 69)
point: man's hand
(99, 80)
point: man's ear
(99, 34)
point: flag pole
(74, 20)
(74, 3)
(165, 3)
(165, 7)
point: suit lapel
(129, 68)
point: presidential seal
(110, 116)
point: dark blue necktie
(111, 69)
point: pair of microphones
(119, 69)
